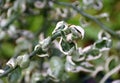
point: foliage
(57, 41)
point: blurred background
(24, 22)
(39, 16)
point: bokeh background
(23, 21)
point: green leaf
(14, 75)
(103, 43)
(94, 52)
(56, 66)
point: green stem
(39, 50)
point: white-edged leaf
(12, 63)
(77, 31)
(60, 26)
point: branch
(104, 27)
(8, 69)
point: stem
(39, 50)
(8, 70)
(104, 27)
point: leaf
(105, 42)
(65, 46)
(69, 67)
(56, 66)
(14, 75)
(60, 26)
(94, 52)
(77, 31)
